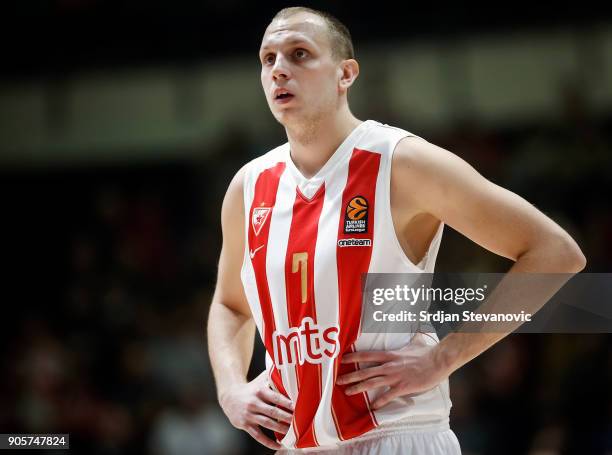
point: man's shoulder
(385, 128)
(415, 149)
(383, 136)
(268, 159)
(418, 163)
(251, 169)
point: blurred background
(121, 125)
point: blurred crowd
(110, 346)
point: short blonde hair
(339, 35)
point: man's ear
(349, 70)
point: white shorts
(397, 439)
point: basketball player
(301, 224)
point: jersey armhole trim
(389, 213)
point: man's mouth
(282, 96)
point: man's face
(299, 75)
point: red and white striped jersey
(308, 242)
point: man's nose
(280, 69)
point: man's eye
(301, 53)
(269, 59)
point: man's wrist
(228, 386)
(446, 356)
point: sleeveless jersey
(308, 241)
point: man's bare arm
(434, 181)
(231, 328)
(444, 185)
(231, 331)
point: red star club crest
(260, 215)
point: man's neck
(313, 145)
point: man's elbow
(556, 253)
(580, 261)
(571, 257)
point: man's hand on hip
(251, 405)
(407, 371)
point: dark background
(111, 247)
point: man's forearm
(543, 271)
(230, 345)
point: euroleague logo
(356, 216)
